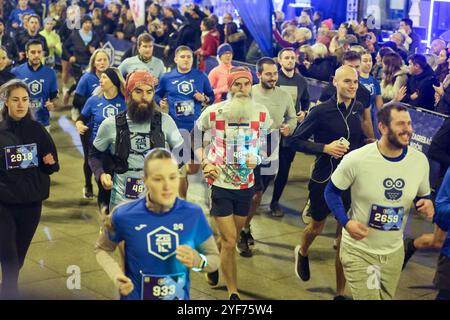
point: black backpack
(123, 142)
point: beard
(140, 111)
(268, 85)
(394, 140)
(239, 108)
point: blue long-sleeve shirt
(442, 214)
(179, 88)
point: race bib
(184, 108)
(133, 187)
(163, 287)
(21, 157)
(36, 104)
(386, 218)
(236, 153)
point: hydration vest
(123, 141)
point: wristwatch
(202, 265)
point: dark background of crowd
(319, 44)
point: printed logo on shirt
(185, 87)
(110, 111)
(393, 189)
(162, 243)
(35, 87)
(140, 143)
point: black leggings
(86, 168)
(443, 295)
(18, 224)
(286, 156)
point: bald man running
(336, 125)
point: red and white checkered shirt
(231, 143)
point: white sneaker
(306, 213)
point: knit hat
(137, 78)
(223, 48)
(238, 72)
(85, 18)
(328, 23)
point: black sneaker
(275, 210)
(213, 278)
(408, 245)
(339, 298)
(248, 235)
(301, 265)
(88, 192)
(243, 247)
(234, 296)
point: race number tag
(36, 104)
(386, 218)
(133, 187)
(21, 157)
(236, 153)
(184, 108)
(163, 287)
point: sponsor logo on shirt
(185, 87)
(35, 87)
(393, 189)
(162, 242)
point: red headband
(240, 73)
(137, 78)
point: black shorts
(226, 202)
(319, 208)
(262, 182)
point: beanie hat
(236, 73)
(225, 47)
(137, 78)
(328, 23)
(85, 18)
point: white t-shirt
(382, 193)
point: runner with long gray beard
(235, 127)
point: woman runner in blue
(107, 101)
(89, 81)
(165, 237)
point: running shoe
(306, 213)
(275, 210)
(235, 296)
(248, 235)
(88, 193)
(301, 265)
(243, 247)
(212, 278)
(408, 245)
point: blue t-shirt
(150, 243)
(88, 82)
(99, 108)
(17, 15)
(43, 87)
(442, 214)
(180, 89)
(373, 85)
